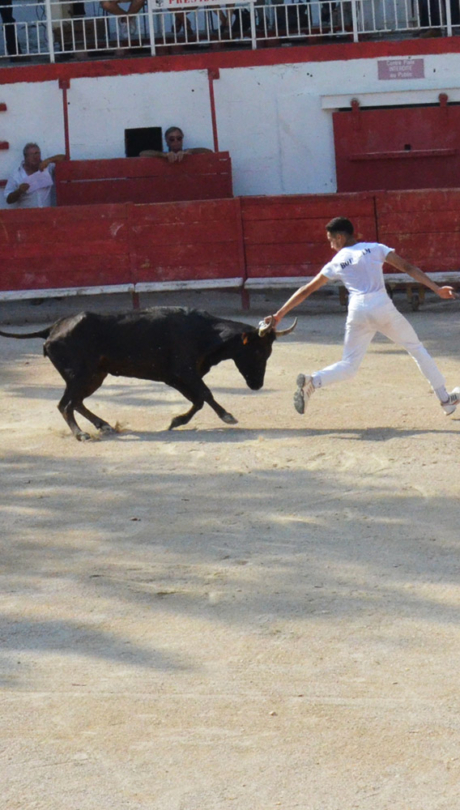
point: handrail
(42, 29)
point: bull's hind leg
(198, 393)
(77, 390)
(95, 420)
(66, 408)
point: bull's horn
(281, 332)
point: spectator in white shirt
(32, 183)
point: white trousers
(368, 314)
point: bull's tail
(44, 333)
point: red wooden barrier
(186, 241)
(398, 148)
(423, 226)
(144, 180)
(255, 241)
(49, 248)
(285, 236)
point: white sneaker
(450, 404)
(305, 389)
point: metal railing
(53, 29)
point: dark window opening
(136, 140)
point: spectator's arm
(153, 153)
(14, 196)
(53, 159)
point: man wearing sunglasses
(174, 138)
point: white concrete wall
(101, 109)
(275, 121)
(34, 114)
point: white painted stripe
(64, 292)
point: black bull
(167, 344)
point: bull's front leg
(198, 393)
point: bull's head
(256, 348)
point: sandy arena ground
(253, 617)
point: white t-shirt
(359, 267)
(38, 195)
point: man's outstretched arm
(299, 296)
(418, 275)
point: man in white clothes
(358, 265)
(31, 184)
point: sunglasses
(175, 138)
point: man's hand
(447, 292)
(272, 320)
(177, 157)
(23, 188)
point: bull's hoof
(107, 429)
(83, 437)
(229, 419)
(175, 422)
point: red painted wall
(423, 226)
(398, 148)
(258, 237)
(144, 180)
(285, 236)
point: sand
(252, 617)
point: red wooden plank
(285, 271)
(418, 202)
(62, 215)
(187, 254)
(63, 250)
(143, 180)
(299, 230)
(185, 212)
(33, 274)
(289, 253)
(196, 232)
(78, 233)
(438, 222)
(185, 272)
(320, 207)
(115, 168)
(144, 190)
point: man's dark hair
(340, 225)
(173, 129)
(30, 145)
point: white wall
(101, 109)
(275, 121)
(34, 113)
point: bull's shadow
(241, 434)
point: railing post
(49, 30)
(252, 16)
(354, 18)
(449, 19)
(64, 85)
(150, 4)
(212, 76)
